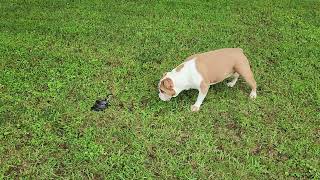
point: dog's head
(166, 88)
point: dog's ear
(168, 83)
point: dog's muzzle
(164, 97)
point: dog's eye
(161, 91)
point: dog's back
(217, 65)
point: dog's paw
(195, 108)
(231, 84)
(253, 94)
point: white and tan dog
(202, 70)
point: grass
(58, 57)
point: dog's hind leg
(244, 70)
(234, 80)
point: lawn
(58, 57)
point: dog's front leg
(203, 90)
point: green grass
(58, 57)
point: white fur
(253, 94)
(187, 78)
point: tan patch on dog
(166, 86)
(179, 67)
(168, 83)
(204, 87)
(215, 66)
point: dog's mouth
(164, 97)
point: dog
(199, 71)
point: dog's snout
(163, 97)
